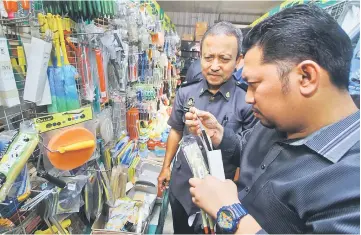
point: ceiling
(231, 7)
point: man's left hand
(210, 194)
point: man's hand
(212, 127)
(164, 178)
(210, 194)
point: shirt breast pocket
(235, 126)
(274, 216)
(232, 122)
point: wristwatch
(229, 216)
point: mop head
(71, 92)
(60, 90)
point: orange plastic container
(132, 123)
(76, 156)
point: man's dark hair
(303, 32)
(225, 28)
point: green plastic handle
(57, 7)
(51, 7)
(70, 7)
(64, 8)
(74, 4)
(78, 7)
(103, 8)
(111, 8)
(97, 8)
(89, 5)
(106, 3)
(46, 6)
(84, 9)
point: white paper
(46, 94)
(215, 163)
(71, 186)
(37, 88)
(8, 91)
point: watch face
(225, 220)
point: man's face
(219, 58)
(272, 105)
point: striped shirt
(309, 185)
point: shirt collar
(238, 75)
(226, 89)
(333, 141)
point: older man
(216, 92)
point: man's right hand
(164, 178)
(212, 127)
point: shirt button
(211, 99)
(263, 166)
(200, 147)
(247, 189)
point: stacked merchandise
(201, 29)
(85, 97)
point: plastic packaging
(119, 114)
(118, 181)
(194, 156)
(160, 149)
(142, 143)
(97, 196)
(70, 197)
(123, 216)
(6, 137)
(106, 185)
(88, 195)
(16, 157)
(106, 125)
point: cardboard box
(187, 37)
(201, 28)
(199, 38)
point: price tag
(71, 186)
(44, 185)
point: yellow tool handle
(41, 22)
(21, 58)
(47, 20)
(56, 40)
(62, 41)
(64, 224)
(14, 63)
(45, 25)
(23, 197)
(77, 146)
(67, 24)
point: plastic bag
(123, 216)
(97, 196)
(70, 196)
(194, 156)
(88, 195)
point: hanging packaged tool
(66, 144)
(69, 73)
(16, 157)
(69, 197)
(8, 90)
(199, 167)
(101, 75)
(36, 77)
